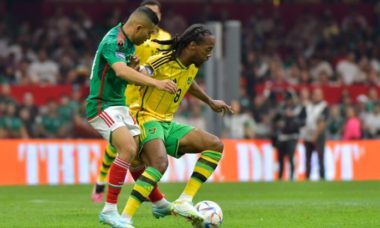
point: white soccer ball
(212, 214)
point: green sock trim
(110, 150)
(154, 173)
(197, 179)
(108, 160)
(138, 196)
(204, 166)
(212, 154)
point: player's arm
(129, 74)
(116, 60)
(216, 105)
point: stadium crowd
(317, 50)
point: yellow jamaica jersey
(155, 104)
(144, 51)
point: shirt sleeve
(112, 54)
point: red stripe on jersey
(105, 119)
(101, 89)
(133, 118)
(110, 120)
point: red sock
(117, 174)
(155, 195)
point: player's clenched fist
(166, 85)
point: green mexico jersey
(106, 89)
(52, 124)
(11, 123)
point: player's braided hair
(195, 33)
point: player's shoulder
(115, 38)
(159, 60)
(193, 69)
(163, 35)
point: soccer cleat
(109, 218)
(186, 210)
(122, 223)
(97, 193)
(160, 212)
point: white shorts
(111, 119)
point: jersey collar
(180, 64)
(122, 31)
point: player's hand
(134, 62)
(220, 107)
(167, 85)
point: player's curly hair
(195, 33)
(151, 2)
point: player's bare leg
(109, 156)
(126, 146)
(211, 148)
(161, 207)
(155, 157)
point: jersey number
(177, 95)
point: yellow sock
(141, 190)
(205, 166)
(108, 157)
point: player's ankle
(109, 207)
(126, 217)
(185, 197)
(161, 203)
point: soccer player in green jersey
(143, 52)
(161, 136)
(106, 109)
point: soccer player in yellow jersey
(148, 48)
(161, 136)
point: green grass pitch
(283, 204)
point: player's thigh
(153, 154)
(152, 147)
(174, 132)
(117, 126)
(124, 143)
(198, 140)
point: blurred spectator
(64, 110)
(287, 124)
(352, 128)
(51, 125)
(22, 76)
(348, 70)
(314, 131)
(28, 103)
(27, 120)
(335, 123)
(320, 67)
(28, 112)
(11, 124)
(372, 99)
(196, 118)
(5, 96)
(260, 108)
(240, 124)
(346, 101)
(372, 122)
(44, 70)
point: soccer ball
(212, 214)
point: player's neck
(185, 60)
(126, 32)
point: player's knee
(217, 144)
(127, 153)
(161, 164)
